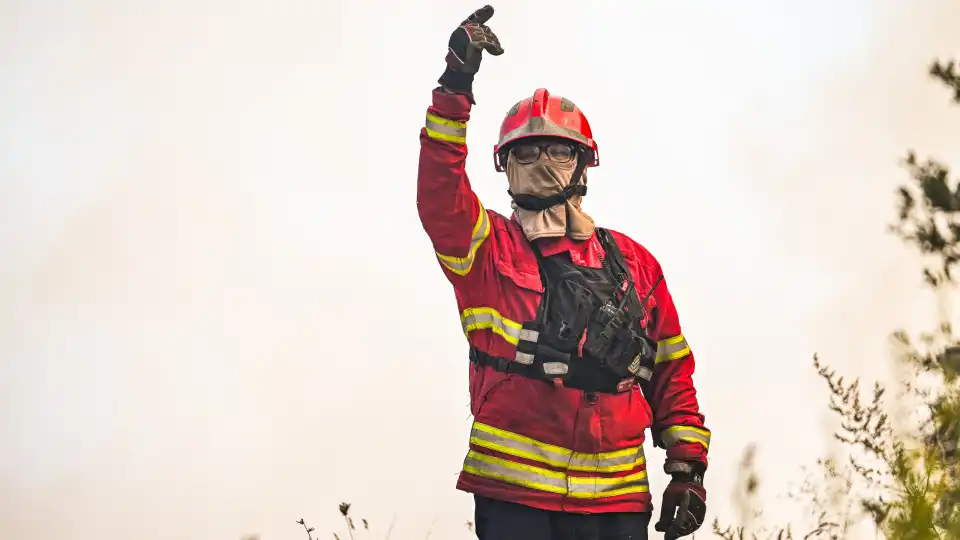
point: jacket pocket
(515, 262)
(484, 382)
(524, 276)
(626, 416)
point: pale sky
(219, 312)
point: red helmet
(545, 115)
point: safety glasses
(526, 153)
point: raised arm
(449, 210)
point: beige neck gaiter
(543, 179)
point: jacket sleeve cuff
(451, 106)
(689, 452)
(684, 468)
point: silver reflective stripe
(555, 368)
(515, 473)
(496, 439)
(678, 466)
(484, 318)
(593, 488)
(675, 434)
(462, 265)
(645, 373)
(623, 460)
(506, 442)
(672, 349)
(445, 129)
(529, 335)
(553, 481)
(523, 358)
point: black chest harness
(587, 333)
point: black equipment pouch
(569, 301)
(601, 310)
(614, 338)
(587, 333)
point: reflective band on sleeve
(513, 444)
(446, 130)
(484, 318)
(672, 349)
(462, 265)
(673, 435)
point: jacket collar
(582, 252)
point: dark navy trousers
(500, 520)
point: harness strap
(533, 359)
(644, 381)
(619, 273)
(505, 365)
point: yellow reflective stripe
(515, 473)
(485, 318)
(674, 434)
(505, 442)
(445, 129)
(481, 230)
(553, 481)
(517, 445)
(672, 349)
(595, 488)
(621, 460)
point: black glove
(684, 504)
(464, 52)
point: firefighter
(575, 345)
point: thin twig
(308, 529)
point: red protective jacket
(532, 443)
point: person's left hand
(684, 506)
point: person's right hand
(465, 50)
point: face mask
(544, 178)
